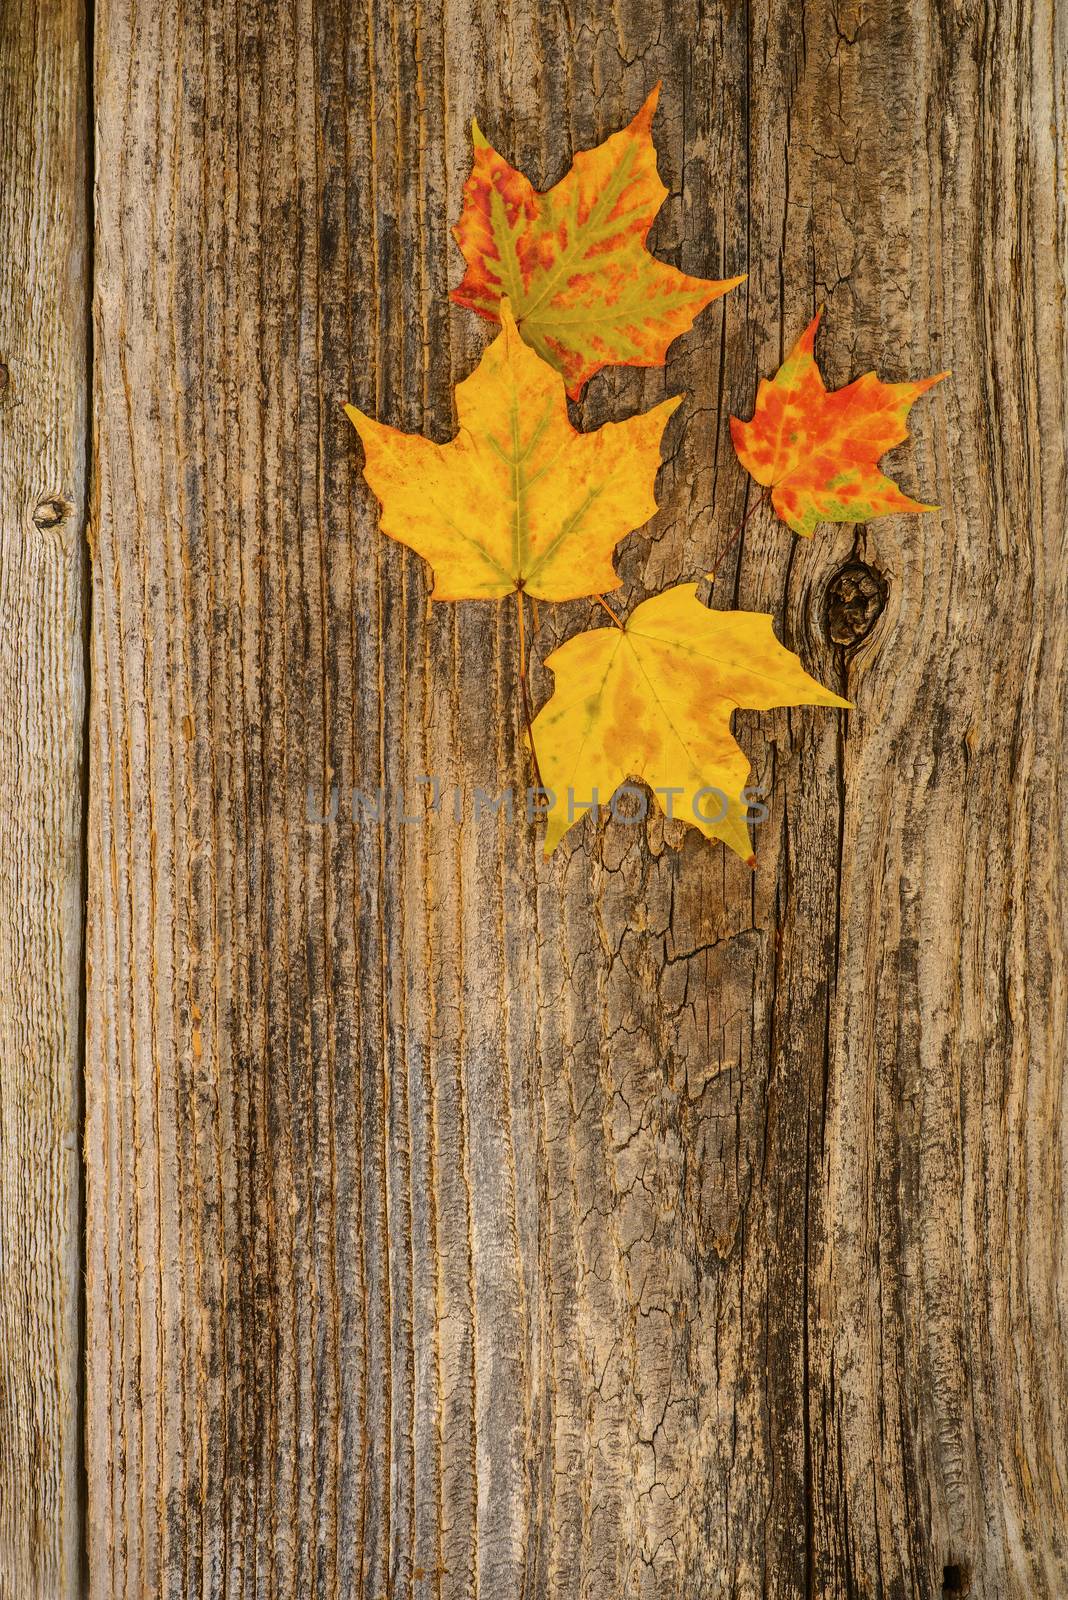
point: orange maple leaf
(572, 261)
(817, 449)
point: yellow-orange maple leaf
(817, 449)
(653, 701)
(572, 262)
(519, 499)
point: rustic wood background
(44, 350)
(458, 1224)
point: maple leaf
(817, 449)
(653, 700)
(584, 290)
(519, 500)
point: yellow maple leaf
(519, 500)
(652, 700)
(572, 261)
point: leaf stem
(601, 601)
(524, 688)
(739, 530)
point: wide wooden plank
(44, 341)
(628, 1225)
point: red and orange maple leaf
(817, 449)
(572, 261)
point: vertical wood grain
(629, 1225)
(44, 331)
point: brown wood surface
(631, 1225)
(44, 311)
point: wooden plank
(464, 1225)
(44, 336)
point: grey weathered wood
(629, 1225)
(44, 330)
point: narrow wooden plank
(44, 335)
(629, 1225)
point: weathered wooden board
(44, 329)
(629, 1225)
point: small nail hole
(956, 1580)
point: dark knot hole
(855, 599)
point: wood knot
(49, 513)
(856, 596)
(5, 378)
